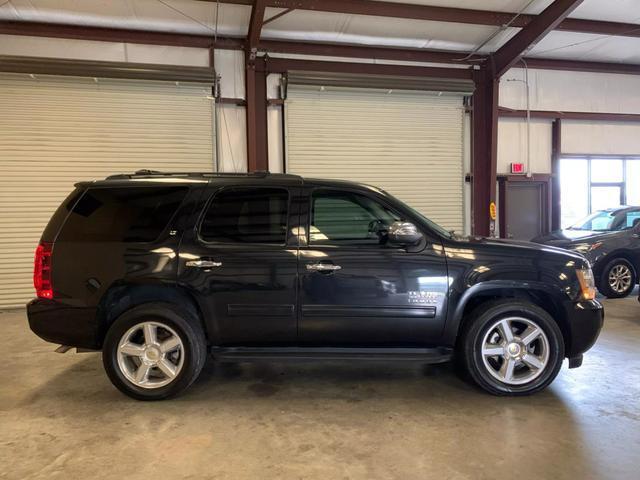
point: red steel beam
(240, 102)
(256, 93)
(281, 65)
(101, 34)
(485, 110)
(255, 25)
(583, 66)
(447, 14)
(556, 151)
(512, 51)
(349, 50)
(552, 115)
(363, 51)
(277, 46)
(277, 16)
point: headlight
(587, 283)
(586, 247)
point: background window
(126, 214)
(574, 186)
(606, 170)
(590, 184)
(604, 197)
(345, 218)
(633, 182)
(248, 215)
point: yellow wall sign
(492, 210)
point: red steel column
(256, 85)
(556, 151)
(484, 152)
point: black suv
(610, 240)
(158, 270)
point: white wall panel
(512, 144)
(610, 138)
(102, 51)
(232, 132)
(571, 91)
(273, 85)
(55, 131)
(162, 54)
(275, 138)
(61, 48)
(230, 66)
(274, 126)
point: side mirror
(404, 233)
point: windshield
(608, 221)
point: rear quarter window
(122, 214)
(60, 215)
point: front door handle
(323, 267)
(203, 264)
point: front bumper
(67, 325)
(585, 320)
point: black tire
(469, 348)
(603, 283)
(185, 325)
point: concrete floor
(61, 418)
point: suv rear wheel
(618, 279)
(154, 351)
(511, 347)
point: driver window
(346, 218)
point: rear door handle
(203, 264)
(323, 267)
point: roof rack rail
(156, 173)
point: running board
(66, 348)
(249, 354)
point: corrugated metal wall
(56, 131)
(408, 143)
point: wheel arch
(539, 294)
(600, 265)
(120, 298)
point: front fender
(498, 288)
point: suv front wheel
(511, 347)
(154, 351)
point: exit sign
(517, 168)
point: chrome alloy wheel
(515, 350)
(620, 278)
(150, 355)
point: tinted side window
(247, 215)
(123, 214)
(344, 218)
(632, 220)
(60, 215)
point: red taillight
(42, 271)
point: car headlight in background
(587, 283)
(586, 247)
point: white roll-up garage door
(55, 131)
(409, 143)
